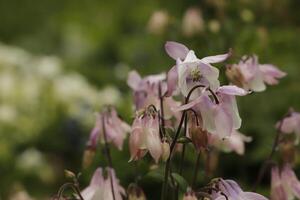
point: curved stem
(196, 170)
(269, 158)
(71, 185)
(107, 151)
(162, 114)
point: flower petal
(172, 80)
(216, 58)
(134, 80)
(232, 90)
(176, 50)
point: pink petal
(172, 80)
(216, 58)
(188, 105)
(153, 140)
(252, 196)
(232, 90)
(223, 122)
(271, 73)
(176, 50)
(134, 80)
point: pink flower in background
(290, 123)
(222, 117)
(146, 89)
(100, 187)
(233, 191)
(116, 129)
(145, 137)
(251, 75)
(284, 183)
(190, 70)
(236, 142)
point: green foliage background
(100, 41)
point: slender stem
(162, 114)
(269, 158)
(107, 151)
(172, 146)
(196, 170)
(71, 185)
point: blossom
(230, 190)
(145, 89)
(251, 75)
(145, 137)
(115, 129)
(135, 192)
(221, 117)
(236, 142)
(192, 22)
(189, 195)
(190, 70)
(290, 123)
(284, 183)
(100, 187)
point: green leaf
(155, 174)
(180, 181)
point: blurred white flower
(8, 113)
(192, 22)
(158, 22)
(214, 26)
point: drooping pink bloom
(100, 187)
(233, 191)
(251, 75)
(236, 142)
(145, 137)
(115, 129)
(290, 124)
(284, 183)
(145, 89)
(222, 117)
(190, 70)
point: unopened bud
(135, 192)
(288, 152)
(190, 195)
(165, 150)
(69, 174)
(199, 137)
(88, 158)
(234, 75)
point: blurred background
(62, 60)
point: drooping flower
(135, 192)
(220, 117)
(100, 187)
(230, 190)
(190, 70)
(115, 129)
(284, 183)
(290, 123)
(145, 137)
(190, 195)
(236, 142)
(251, 75)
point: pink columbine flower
(290, 123)
(145, 89)
(100, 187)
(284, 183)
(190, 70)
(145, 137)
(236, 142)
(115, 129)
(222, 117)
(233, 191)
(251, 75)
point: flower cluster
(207, 116)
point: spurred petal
(232, 90)
(271, 73)
(277, 189)
(134, 80)
(176, 50)
(153, 141)
(136, 138)
(216, 58)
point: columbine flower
(192, 22)
(230, 190)
(100, 187)
(190, 70)
(115, 129)
(145, 137)
(236, 142)
(284, 183)
(222, 117)
(290, 124)
(251, 75)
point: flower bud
(165, 150)
(69, 174)
(88, 157)
(234, 75)
(135, 192)
(199, 137)
(190, 195)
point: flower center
(195, 74)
